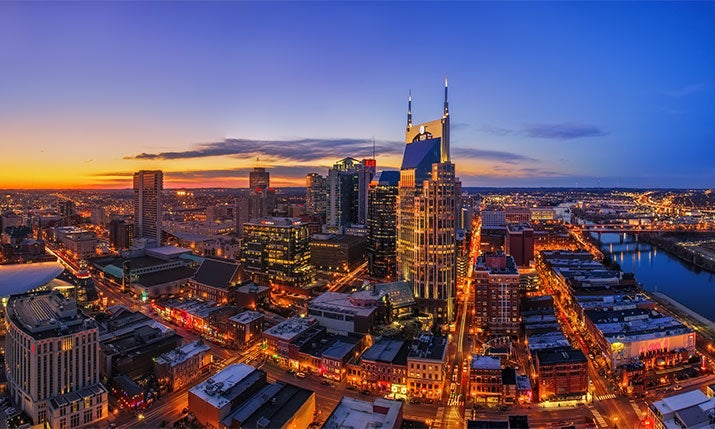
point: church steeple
(409, 111)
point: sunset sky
(541, 94)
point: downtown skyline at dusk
(546, 94)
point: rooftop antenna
(373, 147)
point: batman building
(427, 205)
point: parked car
(415, 401)
(300, 374)
(365, 392)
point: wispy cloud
(565, 131)
(492, 155)
(299, 150)
(496, 131)
(292, 171)
(686, 90)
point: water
(658, 271)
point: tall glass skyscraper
(427, 207)
(382, 224)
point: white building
(52, 361)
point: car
(325, 383)
(677, 387)
(300, 374)
(290, 371)
(351, 388)
(415, 401)
(365, 392)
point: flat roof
(486, 362)
(20, 278)
(246, 317)
(273, 406)
(211, 391)
(680, 401)
(290, 328)
(385, 350)
(180, 355)
(252, 288)
(47, 314)
(547, 340)
(430, 347)
(167, 251)
(357, 414)
(565, 355)
(165, 276)
(340, 303)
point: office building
(338, 253)
(316, 197)
(261, 197)
(241, 214)
(493, 218)
(148, 188)
(276, 252)
(382, 224)
(428, 203)
(343, 191)
(519, 243)
(345, 313)
(121, 234)
(52, 361)
(496, 292)
(517, 215)
(98, 216)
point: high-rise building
(241, 214)
(261, 197)
(276, 251)
(316, 195)
(148, 188)
(66, 208)
(52, 360)
(121, 234)
(366, 172)
(343, 191)
(382, 224)
(98, 216)
(427, 208)
(496, 292)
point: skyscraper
(261, 197)
(366, 172)
(316, 195)
(348, 185)
(428, 203)
(382, 224)
(148, 188)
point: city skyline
(581, 94)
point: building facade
(382, 224)
(496, 292)
(316, 195)
(52, 361)
(428, 203)
(148, 188)
(276, 252)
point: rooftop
(399, 294)
(290, 328)
(283, 222)
(273, 406)
(47, 314)
(548, 340)
(388, 351)
(357, 414)
(218, 391)
(429, 347)
(246, 317)
(180, 355)
(165, 276)
(486, 362)
(563, 355)
(217, 274)
(343, 303)
(166, 252)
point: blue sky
(541, 94)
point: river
(658, 271)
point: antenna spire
(409, 111)
(446, 103)
(373, 148)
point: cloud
(227, 173)
(564, 131)
(299, 150)
(496, 131)
(459, 126)
(493, 155)
(686, 90)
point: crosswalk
(599, 418)
(607, 396)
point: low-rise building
(562, 374)
(485, 379)
(345, 313)
(216, 280)
(357, 414)
(246, 327)
(279, 339)
(182, 365)
(279, 405)
(686, 410)
(384, 366)
(253, 296)
(426, 365)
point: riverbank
(685, 253)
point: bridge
(636, 229)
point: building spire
(446, 103)
(409, 111)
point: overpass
(636, 229)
